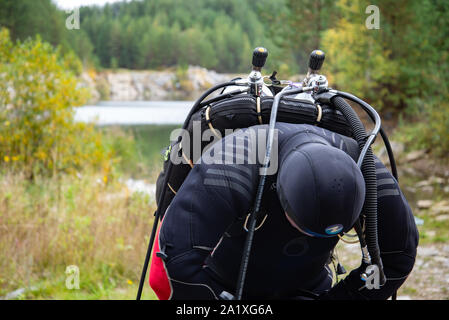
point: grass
(60, 292)
(88, 220)
(49, 224)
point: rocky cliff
(129, 85)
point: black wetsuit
(202, 234)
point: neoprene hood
(321, 189)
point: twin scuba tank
(248, 108)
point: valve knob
(260, 55)
(316, 60)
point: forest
(404, 60)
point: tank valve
(316, 60)
(255, 78)
(260, 55)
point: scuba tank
(235, 109)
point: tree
(38, 90)
(366, 61)
(297, 26)
(28, 18)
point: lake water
(135, 112)
(149, 122)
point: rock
(443, 217)
(441, 207)
(431, 233)
(427, 189)
(397, 147)
(122, 87)
(125, 85)
(436, 180)
(427, 251)
(14, 294)
(423, 183)
(17, 293)
(446, 189)
(89, 83)
(410, 189)
(415, 155)
(424, 204)
(410, 171)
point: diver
(314, 196)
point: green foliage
(361, 60)
(430, 130)
(401, 67)
(297, 26)
(27, 18)
(38, 90)
(122, 149)
(393, 65)
(152, 34)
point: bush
(430, 130)
(38, 90)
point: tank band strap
(185, 157)
(320, 113)
(209, 123)
(259, 113)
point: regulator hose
(158, 213)
(369, 173)
(258, 197)
(371, 112)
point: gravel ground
(429, 279)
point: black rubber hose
(222, 97)
(258, 198)
(393, 166)
(157, 214)
(394, 170)
(200, 99)
(369, 173)
(359, 231)
(368, 108)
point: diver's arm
(398, 239)
(211, 198)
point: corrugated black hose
(371, 113)
(369, 173)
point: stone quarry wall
(129, 85)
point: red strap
(158, 274)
